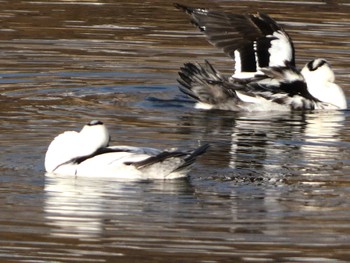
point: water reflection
(158, 216)
(321, 150)
(272, 145)
(85, 208)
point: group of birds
(265, 79)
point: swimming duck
(265, 76)
(86, 153)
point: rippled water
(274, 187)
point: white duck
(86, 153)
(265, 76)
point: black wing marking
(188, 158)
(282, 85)
(155, 159)
(250, 35)
(289, 81)
(102, 150)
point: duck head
(320, 78)
(70, 145)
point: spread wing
(253, 40)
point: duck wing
(138, 163)
(254, 41)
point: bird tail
(205, 84)
(190, 159)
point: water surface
(274, 187)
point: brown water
(272, 187)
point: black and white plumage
(86, 153)
(265, 76)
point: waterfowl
(265, 76)
(86, 153)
